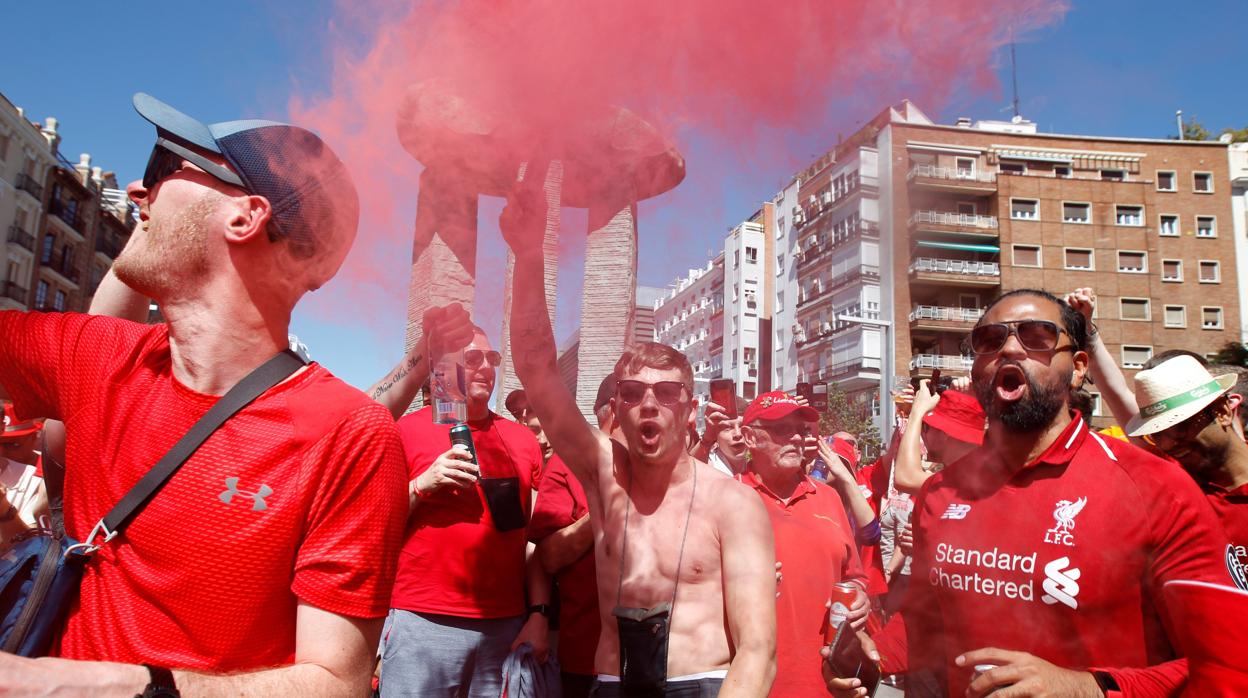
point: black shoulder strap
(267, 375)
(53, 485)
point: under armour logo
(1061, 584)
(956, 511)
(257, 497)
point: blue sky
(1111, 67)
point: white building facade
(689, 316)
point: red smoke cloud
(727, 68)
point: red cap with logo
(960, 416)
(14, 427)
(777, 405)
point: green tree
(852, 416)
(1238, 135)
(1193, 130)
(1233, 354)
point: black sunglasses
(474, 357)
(1034, 335)
(167, 158)
(668, 393)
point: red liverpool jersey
(1064, 560)
(1231, 506)
(298, 497)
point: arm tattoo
(393, 379)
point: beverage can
(461, 439)
(841, 599)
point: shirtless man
(667, 528)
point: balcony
(853, 275)
(28, 184)
(14, 292)
(955, 223)
(61, 266)
(941, 318)
(819, 204)
(922, 364)
(21, 238)
(952, 179)
(958, 272)
(845, 372)
(70, 216)
(823, 249)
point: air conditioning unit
(826, 328)
(827, 197)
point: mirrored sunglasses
(1034, 335)
(667, 393)
(473, 358)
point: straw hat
(1172, 391)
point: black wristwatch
(541, 608)
(160, 685)
(1106, 682)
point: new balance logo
(257, 497)
(956, 511)
(1060, 584)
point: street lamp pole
(886, 373)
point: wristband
(415, 490)
(1106, 681)
(161, 684)
(541, 608)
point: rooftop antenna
(1178, 116)
(1014, 72)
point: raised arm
(846, 486)
(115, 299)
(749, 560)
(582, 447)
(444, 329)
(1113, 386)
(908, 473)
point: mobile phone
(819, 396)
(935, 379)
(724, 394)
(849, 660)
(806, 390)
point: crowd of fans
(323, 536)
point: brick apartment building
(65, 223)
(921, 225)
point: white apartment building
(690, 317)
(25, 158)
(745, 286)
(785, 330)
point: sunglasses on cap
(1034, 335)
(473, 358)
(667, 393)
(167, 158)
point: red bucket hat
(14, 427)
(845, 450)
(960, 416)
(777, 405)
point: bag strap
(265, 376)
(53, 485)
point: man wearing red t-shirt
(1043, 553)
(1190, 415)
(264, 565)
(814, 541)
(459, 596)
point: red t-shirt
(1064, 560)
(873, 482)
(560, 502)
(454, 561)
(815, 545)
(298, 497)
(1231, 506)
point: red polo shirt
(1231, 506)
(1065, 560)
(560, 502)
(454, 561)
(816, 546)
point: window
(1210, 271)
(779, 301)
(1061, 171)
(1076, 212)
(736, 258)
(1211, 317)
(1165, 180)
(1013, 168)
(751, 255)
(1135, 356)
(1176, 316)
(1202, 182)
(48, 242)
(965, 167)
(4, 145)
(1096, 404)
(1025, 209)
(1026, 255)
(1169, 225)
(1171, 270)
(1206, 227)
(41, 294)
(1129, 215)
(58, 301)
(1134, 309)
(1078, 258)
(1114, 175)
(1132, 262)
(967, 208)
(779, 264)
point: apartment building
(689, 316)
(785, 330)
(69, 221)
(1238, 164)
(749, 297)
